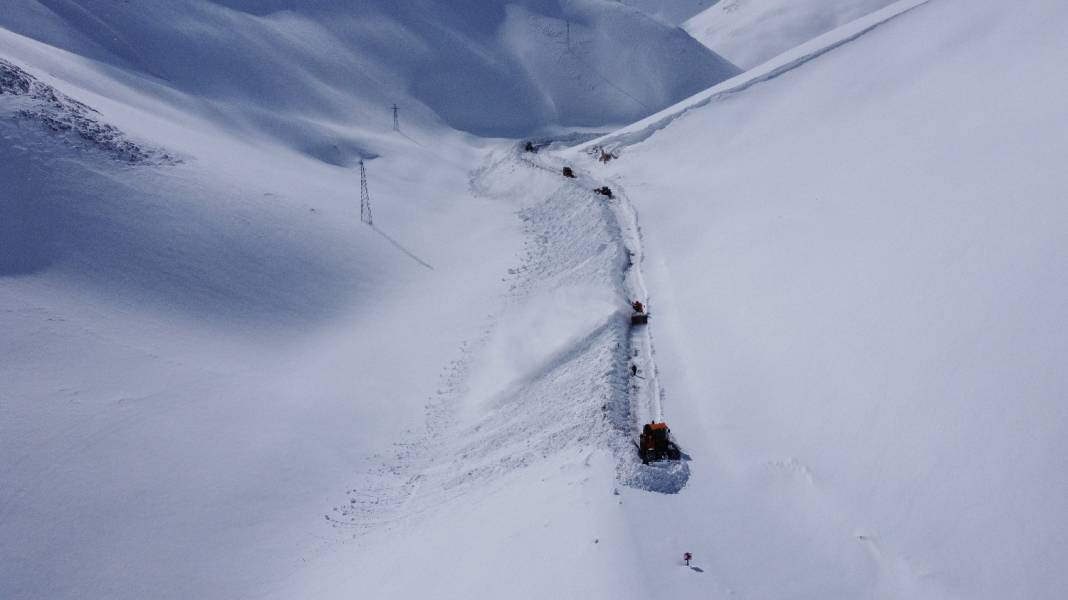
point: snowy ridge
(28, 99)
(674, 12)
(789, 61)
(750, 32)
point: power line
(598, 72)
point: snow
(674, 12)
(749, 32)
(197, 358)
(308, 71)
(218, 383)
(858, 276)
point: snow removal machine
(655, 444)
(640, 316)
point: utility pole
(365, 197)
(568, 38)
(396, 118)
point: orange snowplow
(640, 317)
(655, 444)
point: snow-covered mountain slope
(749, 32)
(219, 383)
(674, 12)
(857, 265)
(198, 357)
(493, 68)
(203, 346)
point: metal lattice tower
(365, 197)
(396, 118)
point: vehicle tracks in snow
(568, 390)
(641, 400)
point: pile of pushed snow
(310, 70)
(749, 32)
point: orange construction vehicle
(656, 444)
(640, 317)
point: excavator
(655, 444)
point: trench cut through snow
(551, 372)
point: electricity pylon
(365, 197)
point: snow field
(853, 256)
(190, 378)
(543, 391)
(230, 319)
(302, 75)
(856, 275)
